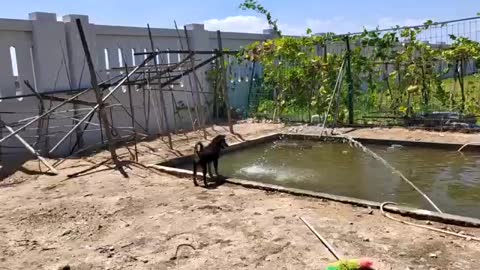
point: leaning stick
(102, 115)
(30, 148)
(35, 119)
(323, 240)
(110, 93)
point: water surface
(450, 179)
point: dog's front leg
(215, 165)
(210, 172)
(195, 173)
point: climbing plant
(459, 54)
(392, 72)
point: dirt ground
(104, 221)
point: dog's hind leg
(204, 169)
(218, 177)
(195, 173)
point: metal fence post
(349, 81)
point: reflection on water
(450, 179)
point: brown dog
(205, 156)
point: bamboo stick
(322, 239)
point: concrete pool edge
(435, 145)
(419, 214)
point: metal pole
(349, 81)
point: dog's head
(220, 141)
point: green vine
(255, 6)
(388, 76)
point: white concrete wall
(49, 54)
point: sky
(294, 16)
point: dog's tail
(198, 148)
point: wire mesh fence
(398, 73)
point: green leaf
(413, 89)
(428, 23)
(309, 31)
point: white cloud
(246, 24)
(338, 25)
(253, 24)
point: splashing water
(280, 174)
(354, 143)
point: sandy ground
(104, 221)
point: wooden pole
(225, 82)
(194, 87)
(351, 117)
(250, 86)
(216, 90)
(78, 133)
(132, 112)
(79, 142)
(1, 135)
(175, 112)
(92, 111)
(185, 73)
(30, 148)
(162, 98)
(102, 116)
(190, 84)
(41, 110)
(42, 116)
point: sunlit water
(450, 179)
